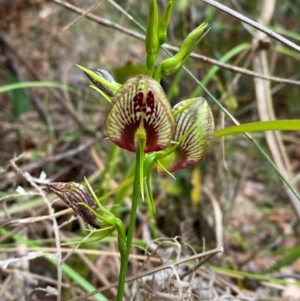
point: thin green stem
(131, 227)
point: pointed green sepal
(104, 221)
(173, 64)
(140, 162)
(107, 76)
(151, 43)
(149, 163)
(101, 234)
(149, 192)
(102, 80)
(104, 95)
(164, 23)
(165, 160)
(121, 237)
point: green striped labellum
(140, 109)
(194, 133)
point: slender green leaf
(260, 126)
(253, 276)
(36, 84)
(79, 280)
(292, 255)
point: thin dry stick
(12, 60)
(204, 59)
(265, 104)
(82, 16)
(30, 275)
(67, 154)
(254, 24)
(218, 216)
(205, 255)
(63, 250)
(68, 107)
(55, 225)
(224, 96)
(98, 273)
(35, 219)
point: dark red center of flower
(140, 108)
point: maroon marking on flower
(140, 105)
(73, 194)
(194, 133)
(195, 146)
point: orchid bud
(194, 133)
(175, 62)
(164, 23)
(74, 194)
(151, 42)
(140, 110)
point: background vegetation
(52, 129)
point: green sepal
(165, 160)
(140, 162)
(106, 221)
(149, 163)
(149, 192)
(100, 206)
(103, 233)
(121, 237)
(107, 98)
(164, 23)
(175, 62)
(151, 43)
(112, 86)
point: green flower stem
(109, 170)
(131, 227)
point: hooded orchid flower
(193, 135)
(140, 110)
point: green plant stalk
(122, 192)
(109, 169)
(131, 227)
